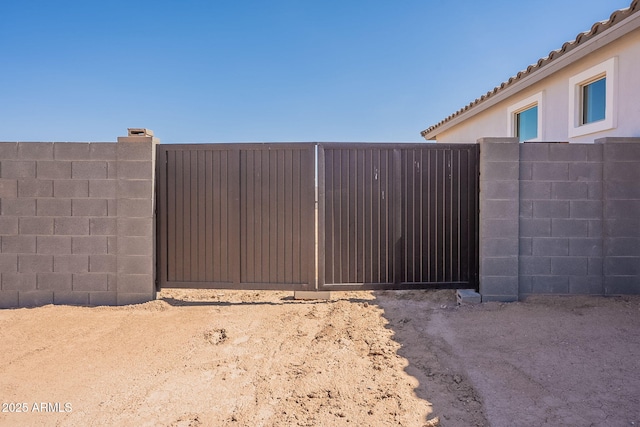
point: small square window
(594, 101)
(524, 118)
(527, 124)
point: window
(524, 119)
(592, 100)
(527, 124)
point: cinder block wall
(76, 222)
(621, 211)
(499, 223)
(577, 223)
(560, 219)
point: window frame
(535, 100)
(577, 83)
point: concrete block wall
(76, 222)
(621, 210)
(560, 219)
(577, 223)
(499, 225)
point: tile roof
(596, 29)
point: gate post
(135, 205)
(499, 218)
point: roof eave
(508, 89)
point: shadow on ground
(430, 360)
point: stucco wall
(555, 111)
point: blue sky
(264, 70)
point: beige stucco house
(586, 90)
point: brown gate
(237, 216)
(391, 216)
(398, 216)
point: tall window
(594, 101)
(527, 124)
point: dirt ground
(401, 358)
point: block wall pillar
(621, 194)
(499, 218)
(135, 217)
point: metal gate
(237, 216)
(390, 216)
(397, 216)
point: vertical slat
(466, 239)
(209, 218)
(288, 220)
(216, 206)
(408, 176)
(273, 216)
(186, 216)
(435, 215)
(398, 247)
(340, 243)
(161, 209)
(375, 222)
(263, 211)
(336, 213)
(442, 215)
(327, 243)
(450, 215)
(280, 223)
(367, 212)
(247, 240)
(474, 215)
(180, 217)
(172, 244)
(446, 200)
(427, 214)
(345, 230)
(412, 254)
(234, 232)
(253, 219)
(455, 259)
(352, 215)
(193, 210)
(384, 218)
(201, 226)
(228, 211)
(322, 234)
(360, 215)
(421, 215)
(296, 214)
(255, 205)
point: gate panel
(276, 210)
(439, 215)
(358, 219)
(398, 216)
(194, 215)
(236, 216)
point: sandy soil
(410, 358)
